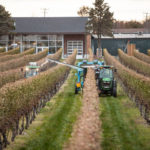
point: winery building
(50, 32)
(121, 37)
(69, 33)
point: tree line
(85, 10)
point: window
(52, 37)
(29, 37)
(51, 43)
(55, 43)
(26, 43)
(52, 50)
(18, 38)
(33, 43)
(59, 37)
(3, 43)
(58, 43)
(4, 37)
(106, 73)
(42, 43)
(42, 37)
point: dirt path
(86, 132)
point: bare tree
(100, 21)
(83, 11)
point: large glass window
(29, 37)
(52, 50)
(58, 43)
(52, 37)
(3, 43)
(18, 38)
(42, 43)
(4, 37)
(53, 42)
(33, 43)
(26, 43)
(59, 37)
(42, 37)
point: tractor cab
(106, 73)
(32, 69)
(106, 82)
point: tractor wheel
(114, 92)
(76, 90)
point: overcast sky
(123, 9)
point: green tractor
(32, 69)
(105, 80)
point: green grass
(122, 126)
(59, 116)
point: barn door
(71, 45)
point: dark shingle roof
(68, 25)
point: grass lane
(123, 127)
(59, 117)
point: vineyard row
(2, 50)
(148, 52)
(15, 56)
(134, 63)
(21, 101)
(19, 62)
(138, 86)
(142, 56)
(17, 74)
(11, 52)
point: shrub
(137, 84)
(134, 63)
(56, 55)
(19, 62)
(11, 76)
(47, 65)
(11, 52)
(15, 56)
(2, 50)
(142, 56)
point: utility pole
(146, 20)
(45, 11)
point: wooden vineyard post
(130, 49)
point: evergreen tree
(6, 22)
(100, 21)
